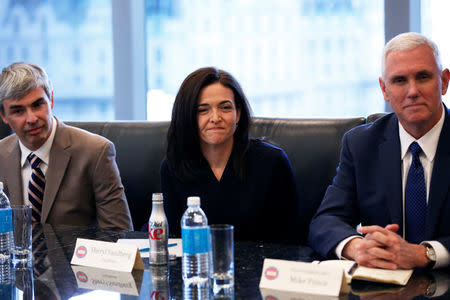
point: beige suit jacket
(83, 185)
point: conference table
(53, 277)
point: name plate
(107, 255)
(100, 279)
(299, 277)
(268, 294)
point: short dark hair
(183, 141)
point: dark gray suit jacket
(83, 185)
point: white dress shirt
(428, 143)
(43, 153)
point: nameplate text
(107, 255)
(300, 277)
(128, 283)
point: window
(434, 25)
(293, 58)
(63, 37)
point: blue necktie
(415, 198)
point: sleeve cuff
(442, 254)
(342, 244)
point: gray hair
(18, 79)
(408, 41)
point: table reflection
(431, 284)
(56, 278)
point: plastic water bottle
(158, 232)
(6, 236)
(196, 245)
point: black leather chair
(312, 145)
(140, 148)
(5, 130)
(374, 117)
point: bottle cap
(193, 201)
(157, 197)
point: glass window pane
(72, 40)
(293, 58)
(435, 25)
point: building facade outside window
(294, 58)
(64, 37)
(308, 58)
(434, 19)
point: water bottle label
(195, 240)
(5, 220)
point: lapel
(390, 175)
(13, 173)
(439, 184)
(59, 160)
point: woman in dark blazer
(241, 181)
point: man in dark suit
(68, 175)
(394, 174)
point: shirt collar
(427, 142)
(44, 151)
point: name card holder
(269, 294)
(299, 277)
(107, 255)
(128, 283)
